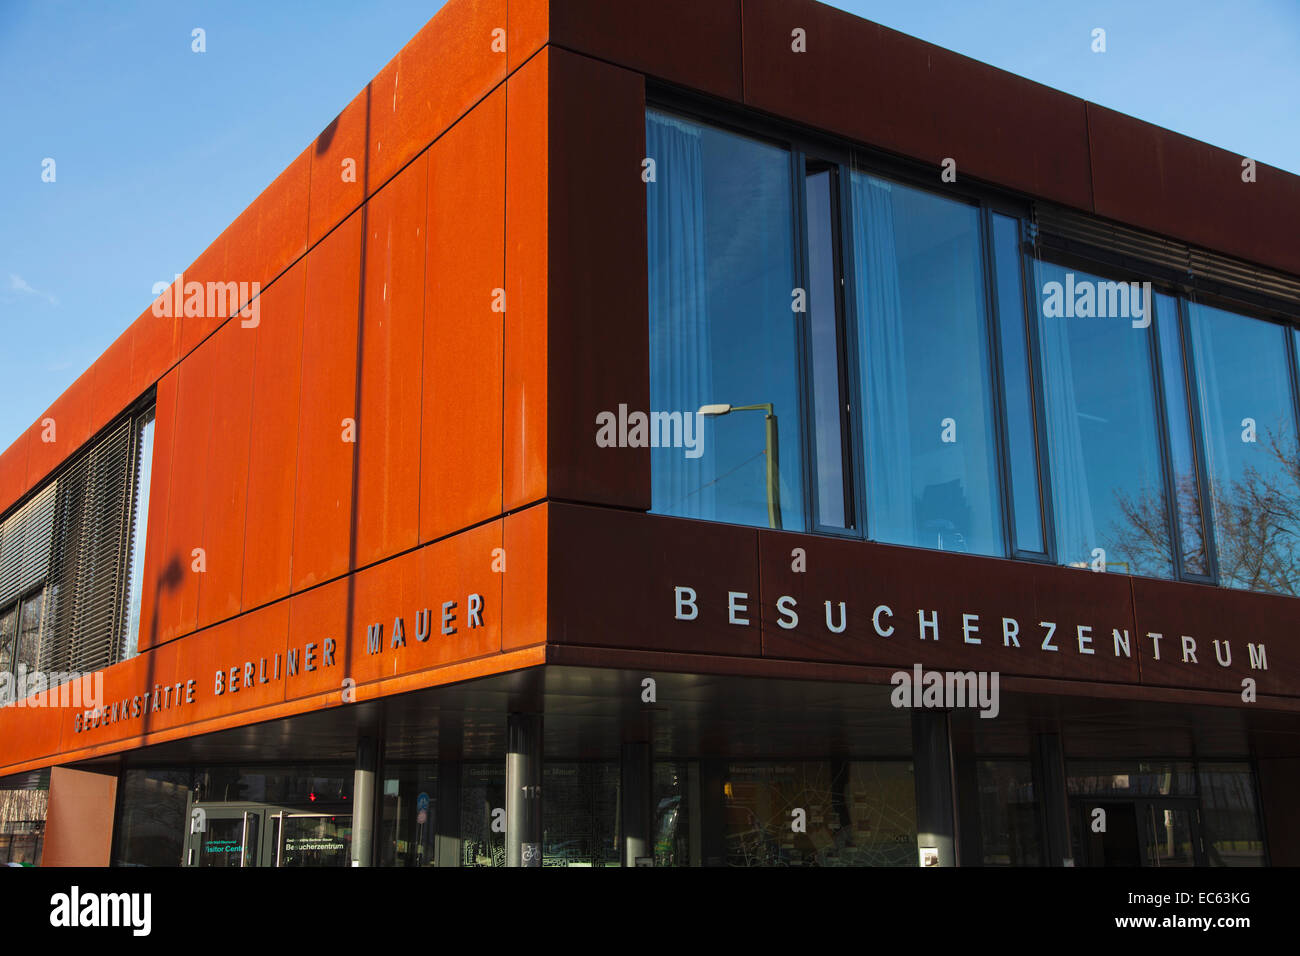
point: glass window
(580, 814)
(723, 327)
(1231, 821)
(1018, 392)
(1104, 445)
(1008, 813)
(8, 632)
(927, 423)
(1182, 443)
(1244, 393)
(860, 813)
(829, 434)
(139, 533)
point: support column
(365, 780)
(637, 795)
(1049, 778)
(932, 763)
(524, 790)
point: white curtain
(884, 363)
(681, 360)
(1075, 530)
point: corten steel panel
(528, 30)
(445, 69)
(1235, 619)
(524, 569)
(160, 573)
(451, 570)
(599, 353)
(155, 347)
(323, 493)
(888, 90)
(248, 644)
(265, 240)
(865, 576)
(460, 448)
(112, 382)
(1158, 180)
(27, 733)
(79, 818)
(392, 333)
(221, 584)
(146, 677)
(315, 615)
(273, 447)
(13, 471)
(198, 316)
(383, 595)
(338, 167)
(693, 43)
(61, 430)
(524, 431)
(614, 587)
(177, 606)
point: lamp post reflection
(772, 452)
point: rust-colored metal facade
(478, 293)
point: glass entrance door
(225, 837)
(236, 835)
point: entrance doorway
(1164, 831)
(254, 834)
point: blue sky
(158, 148)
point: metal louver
(1066, 229)
(25, 539)
(84, 592)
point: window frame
(844, 157)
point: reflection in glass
(823, 322)
(722, 325)
(1229, 815)
(1243, 390)
(482, 790)
(860, 813)
(580, 814)
(928, 432)
(1099, 397)
(1022, 447)
(1008, 813)
(1182, 445)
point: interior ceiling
(589, 712)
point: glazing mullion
(1199, 449)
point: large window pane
(139, 533)
(1008, 813)
(1232, 832)
(859, 813)
(722, 325)
(928, 422)
(825, 344)
(1022, 447)
(1103, 442)
(1244, 393)
(1187, 489)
